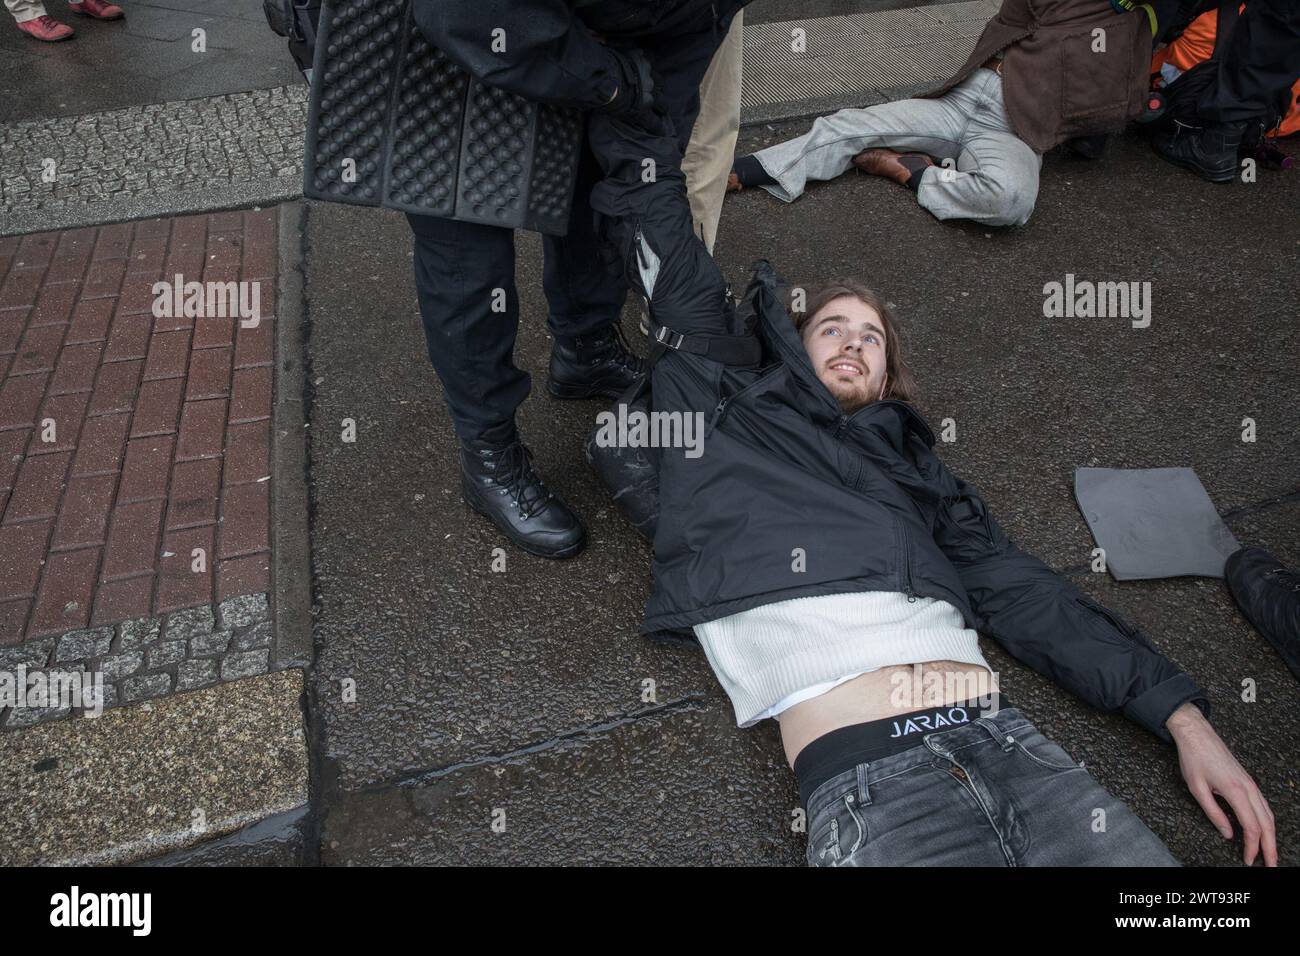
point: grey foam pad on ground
(424, 137)
(1153, 522)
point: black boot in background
(1208, 151)
(1088, 147)
(498, 481)
(593, 366)
(1269, 595)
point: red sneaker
(46, 28)
(97, 9)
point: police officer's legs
(713, 138)
(589, 357)
(465, 279)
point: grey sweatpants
(991, 176)
(24, 10)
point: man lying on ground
(836, 573)
(1042, 72)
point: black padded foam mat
(394, 122)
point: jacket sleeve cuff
(1153, 708)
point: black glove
(636, 84)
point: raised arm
(645, 217)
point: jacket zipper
(720, 410)
(718, 414)
(840, 426)
(1128, 634)
(907, 564)
(841, 423)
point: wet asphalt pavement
(485, 698)
(153, 55)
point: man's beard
(850, 400)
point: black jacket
(547, 51)
(864, 495)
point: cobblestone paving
(149, 657)
(252, 139)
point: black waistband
(845, 747)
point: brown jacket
(1053, 83)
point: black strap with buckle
(727, 349)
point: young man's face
(846, 341)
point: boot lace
(623, 350)
(527, 491)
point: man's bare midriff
(887, 692)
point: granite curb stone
(147, 658)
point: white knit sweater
(766, 654)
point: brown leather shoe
(46, 28)
(889, 164)
(97, 9)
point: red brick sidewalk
(128, 441)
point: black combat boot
(498, 481)
(1269, 595)
(593, 366)
(1208, 151)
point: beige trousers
(713, 139)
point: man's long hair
(901, 384)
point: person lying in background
(973, 147)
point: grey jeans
(994, 792)
(991, 176)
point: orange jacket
(1197, 44)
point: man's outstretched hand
(1209, 769)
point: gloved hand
(636, 86)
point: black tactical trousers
(470, 327)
